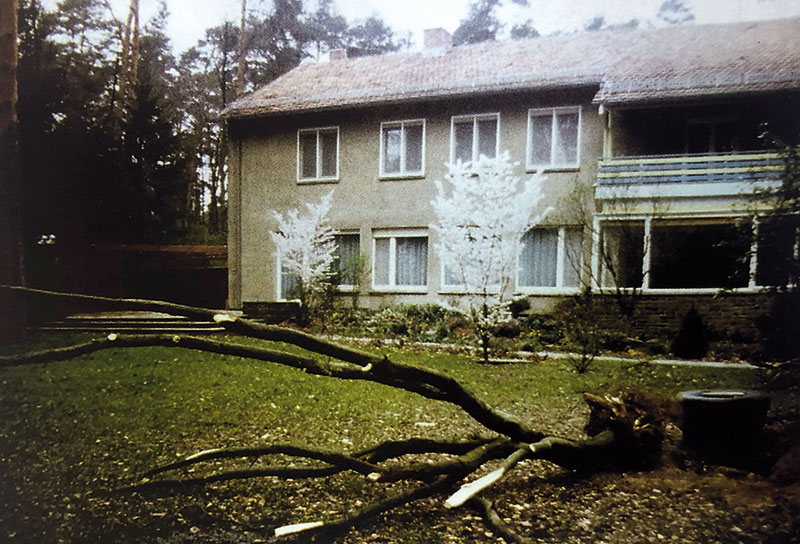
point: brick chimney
(337, 54)
(436, 41)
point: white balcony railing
(686, 175)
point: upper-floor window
(553, 138)
(403, 148)
(318, 154)
(712, 135)
(474, 136)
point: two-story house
(649, 141)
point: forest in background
(120, 138)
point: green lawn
(74, 433)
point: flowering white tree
(482, 211)
(305, 246)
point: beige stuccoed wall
(263, 179)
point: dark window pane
(725, 136)
(308, 155)
(566, 151)
(574, 257)
(381, 261)
(463, 141)
(413, 148)
(391, 150)
(712, 256)
(329, 151)
(622, 253)
(487, 138)
(777, 238)
(698, 138)
(541, 139)
(347, 258)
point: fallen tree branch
(335, 459)
(397, 448)
(622, 432)
(469, 462)
(230, 322)
(472, 489)
(496, 522)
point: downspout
(234, 221)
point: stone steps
(131, 323)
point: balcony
(687, 176)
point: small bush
(547, 328)
(509, 329)
(578, 317)
(519, 306)
(692, 339)
(780, 327)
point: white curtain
(411, 264)
(537, 259)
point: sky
(189, 18)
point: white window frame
(561, 264)
(553, 112)
(404, 172)
(457, 119)
(393, 235)
(318, 178)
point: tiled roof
(626, 66)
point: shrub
(691, 341)
(780, 327)
(579, 321)
(519, 306)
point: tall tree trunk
(130, 60)
(12, 306)
(242, 53)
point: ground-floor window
(700, 256)
(724, 253)
(550, 258)
(778, 244)
(288, 283)
(347, 260)
(621, 251)
(400, 260)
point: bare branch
(235, 325)
(497, 522)
(342, 461)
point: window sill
(409, 290)
(316, 181)
(400, 177)
(524, 291)
(346, 288)
(533, 169)
(460, 291)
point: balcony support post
(647, 251)
(596, 275)
(753, 253)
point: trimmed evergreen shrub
(692, 339)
